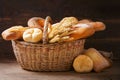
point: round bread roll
(32, 35)
(38, 22)
(82, 63)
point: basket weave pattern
(47, 57)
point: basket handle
(45, 30)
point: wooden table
(10, 70)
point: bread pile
(91, 59)
(68, 29)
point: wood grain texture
(10, 70)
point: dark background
(17, 12)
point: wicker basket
(47, 57)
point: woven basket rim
(29, 55)
(41, 44)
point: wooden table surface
(10, 70)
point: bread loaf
(83, 63)
(13, 33)
(81, 31)
(32, 35)
(99, 61)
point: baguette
(84, 29)
(98, 26)
(81, 31)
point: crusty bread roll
(38, 22)
(83, 63)
(99, 62)
(13, 33)
(32, 35)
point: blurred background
(17, 12)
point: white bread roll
(32, 35)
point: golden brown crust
(100, 62)
(80, 31)
(83, 63)
(84, 29)
(38, 22)
(13, 33)
(85, 21)
(98, 26)
(63, 26)
(68, 29)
